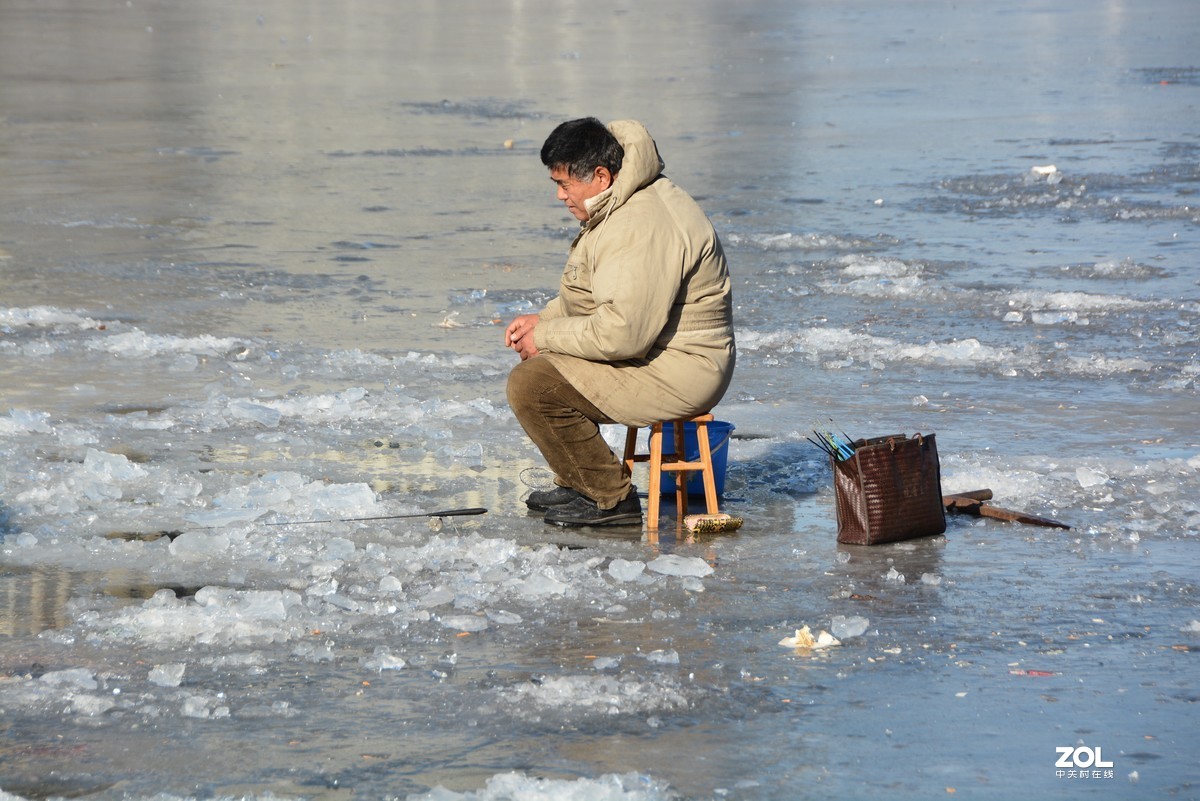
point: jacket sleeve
(553, 309)
(637, 276)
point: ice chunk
(74, 437)
(667, 656)
(895, 575)
(390, 584)
(383, 659)
(111, 467)
(1055, 317)
(437, 597)
(179, 488)
(542, 583)
(1088, 477)
(337, 500)
(199, 544)
(342, 602)
(217, 518)
(339, 548)
(169, 675)
(215, 615)
(276, 491)
(675, 565)
(1191, 628)
(247, 604)
(79, 678)
(932, 579)
(465, 622)
(195, 706)
(91, 705)
(846, 626)
(601, 693)
(265, 416)
(469, 456)
(609, 787)
(624, 570)
(21, 420)
(103, 473)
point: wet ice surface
(241, 296)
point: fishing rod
(150, 536)
(839, 449)
(473, 510)
(823, 446)
(849, 439)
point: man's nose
(562, 193)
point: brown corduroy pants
(565, 427)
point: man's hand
(519, 336)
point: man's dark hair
(580, 146)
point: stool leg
(655, 475)
(710, 479)
(630, 449)
(681, 478)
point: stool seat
(674, 463)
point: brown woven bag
(889, 490)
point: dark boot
(584, 512)
(541, 500)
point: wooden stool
(675, 463)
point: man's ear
(604, 177)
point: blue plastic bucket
(719, 433)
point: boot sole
(627, 519)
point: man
(641, 329)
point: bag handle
(919, 437)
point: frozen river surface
(253, 258)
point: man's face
(574, 192)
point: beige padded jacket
(643, 322)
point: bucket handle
(722, 443)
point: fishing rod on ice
(148, 536)
(472, 510)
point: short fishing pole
(849, 439)
(473, 510)
(823, 446)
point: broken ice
(169, 675)
(676, 565)
(845, 626)
(625, 570)
(1088, 477)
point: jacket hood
(640, 167)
